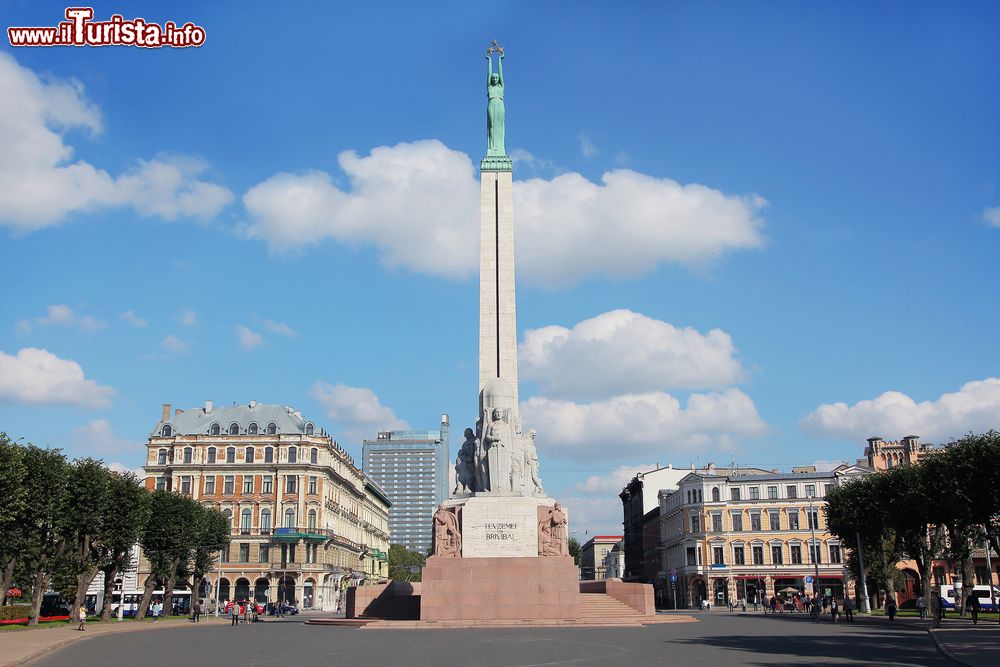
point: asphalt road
(716, 640)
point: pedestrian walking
(849, 610)
(890, 608)
(154, 611)
(922, 607)
(198, 610)
(82, 614)
(814, 611)
(973, 607)
(834, 611)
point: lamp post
(218, 580)
(867, 605)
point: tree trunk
(83, 581)
(39, 584)
(147, 595)
(196, 580)
(924, 565)
(110, 572)
(890, 587)
(8, 578)
(168, 594)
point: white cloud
(62, 316)
(114, 466)
(641, 424)
(38, 377)
(174, 345)
(417, 202)
(614, 481)
(96, 438)
(992, 216)
(893, 414)
(133, 319)
(587, 147)
(41, 185)
(279, 328)
(248, 338)
(189, 318)
(622, 352)
(357, 410)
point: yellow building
(306, 522)
(747, 537)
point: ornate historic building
(882, 455)
(306, 521)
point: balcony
(299, 533)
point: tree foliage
(401, 562)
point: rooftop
(199, 421)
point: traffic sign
(673, 578)
(809, 580)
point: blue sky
(760, 230)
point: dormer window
(252, 429)
(309, 429)
(234, 429)
(215, 430)
(167, 431)
(272, 428)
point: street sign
(673, 579)
(809, 580)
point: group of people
(243, 611)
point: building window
(290, 484)
(247, 485)
(186, 485)
(252, 429)
(265, 553)
(813, 519)
(227, 485)
(161, 457)
(774, 520)
(695, 523)
(244, 552)
(754, 493)
(293, 455)
(211, 454)
(835, 553)
(716, 523)
(734, 493)
(939, 576)
(739, 558)
(772, 492)
(793, 519)
(692, 556)
(791, 492)
(272, 428)
(234, 429)
(313, 456)
(758, 555)
(269, 455)
(215, 429)
(826, 489)
(311, 520)
(228, 513)
(715, 494)
(248, 455)
(231, 455)
(246, 521)
(161, 484)
(776, 556)
(796, 553)
(755, 521)
(718, 556)
(166, 431)
(810, 490)
(814, 554)
(309, 429)
(265, 484)
(312, 486)
(187, 455)
(289, 518)
(210, 485)
(737, 521)
(265, 521)
(224, 554)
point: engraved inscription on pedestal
(500, 527)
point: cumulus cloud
(621, 352)
(587, 147)
(133, 319)
(594, 515)
(642, 424)
(114, 466)
(174, 345)
(62, 316)
(357, 410)
(41, 184)
(893, 414)
(248, 339)
(96, 438)
(37, 377)
(612, 482)
(416, 203)
(992, 216)
(279, 328)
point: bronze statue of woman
(494, 106)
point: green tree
(87, 502)
(574, 550)
(124, 522)
(401, 560)
(13, 503)
(165, 542)
(212, 534)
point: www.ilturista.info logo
(80, 30)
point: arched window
(234, 429)
(252, 429)
(211, 454)
(272, 428)
(248, 455)
(265, 521)
(289, 518)
(715, 494)
(231, 455)
(228, 513)
(246, 518)
(167, 430)
(187, 454)
(309, 429)
(161, 457)
(293, 455)
(269, 455)
(313, 455)
(224, 590)
(216, 429)
(311, 520)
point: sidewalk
(971, 645)
(19, 646)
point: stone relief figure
(532, 480)
(447, 536)
(553, 539)
(517, 464)
(495, 113)
(465, 464)
(498, 441)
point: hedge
(11, 611)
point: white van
(981, 592)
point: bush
(12, 611)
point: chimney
(208, 407)
(165, 417)
(177, 412)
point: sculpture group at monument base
(500, 588)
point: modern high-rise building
(412, 468)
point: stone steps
(603, 606)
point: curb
(945, 651)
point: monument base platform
(489, 589)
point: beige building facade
(306, 521)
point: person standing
(814, 611)
(973, 607)
(849, 610)
(82, 615)
(890, 608)
(922, 607)
(234, 614)
(834, 611)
